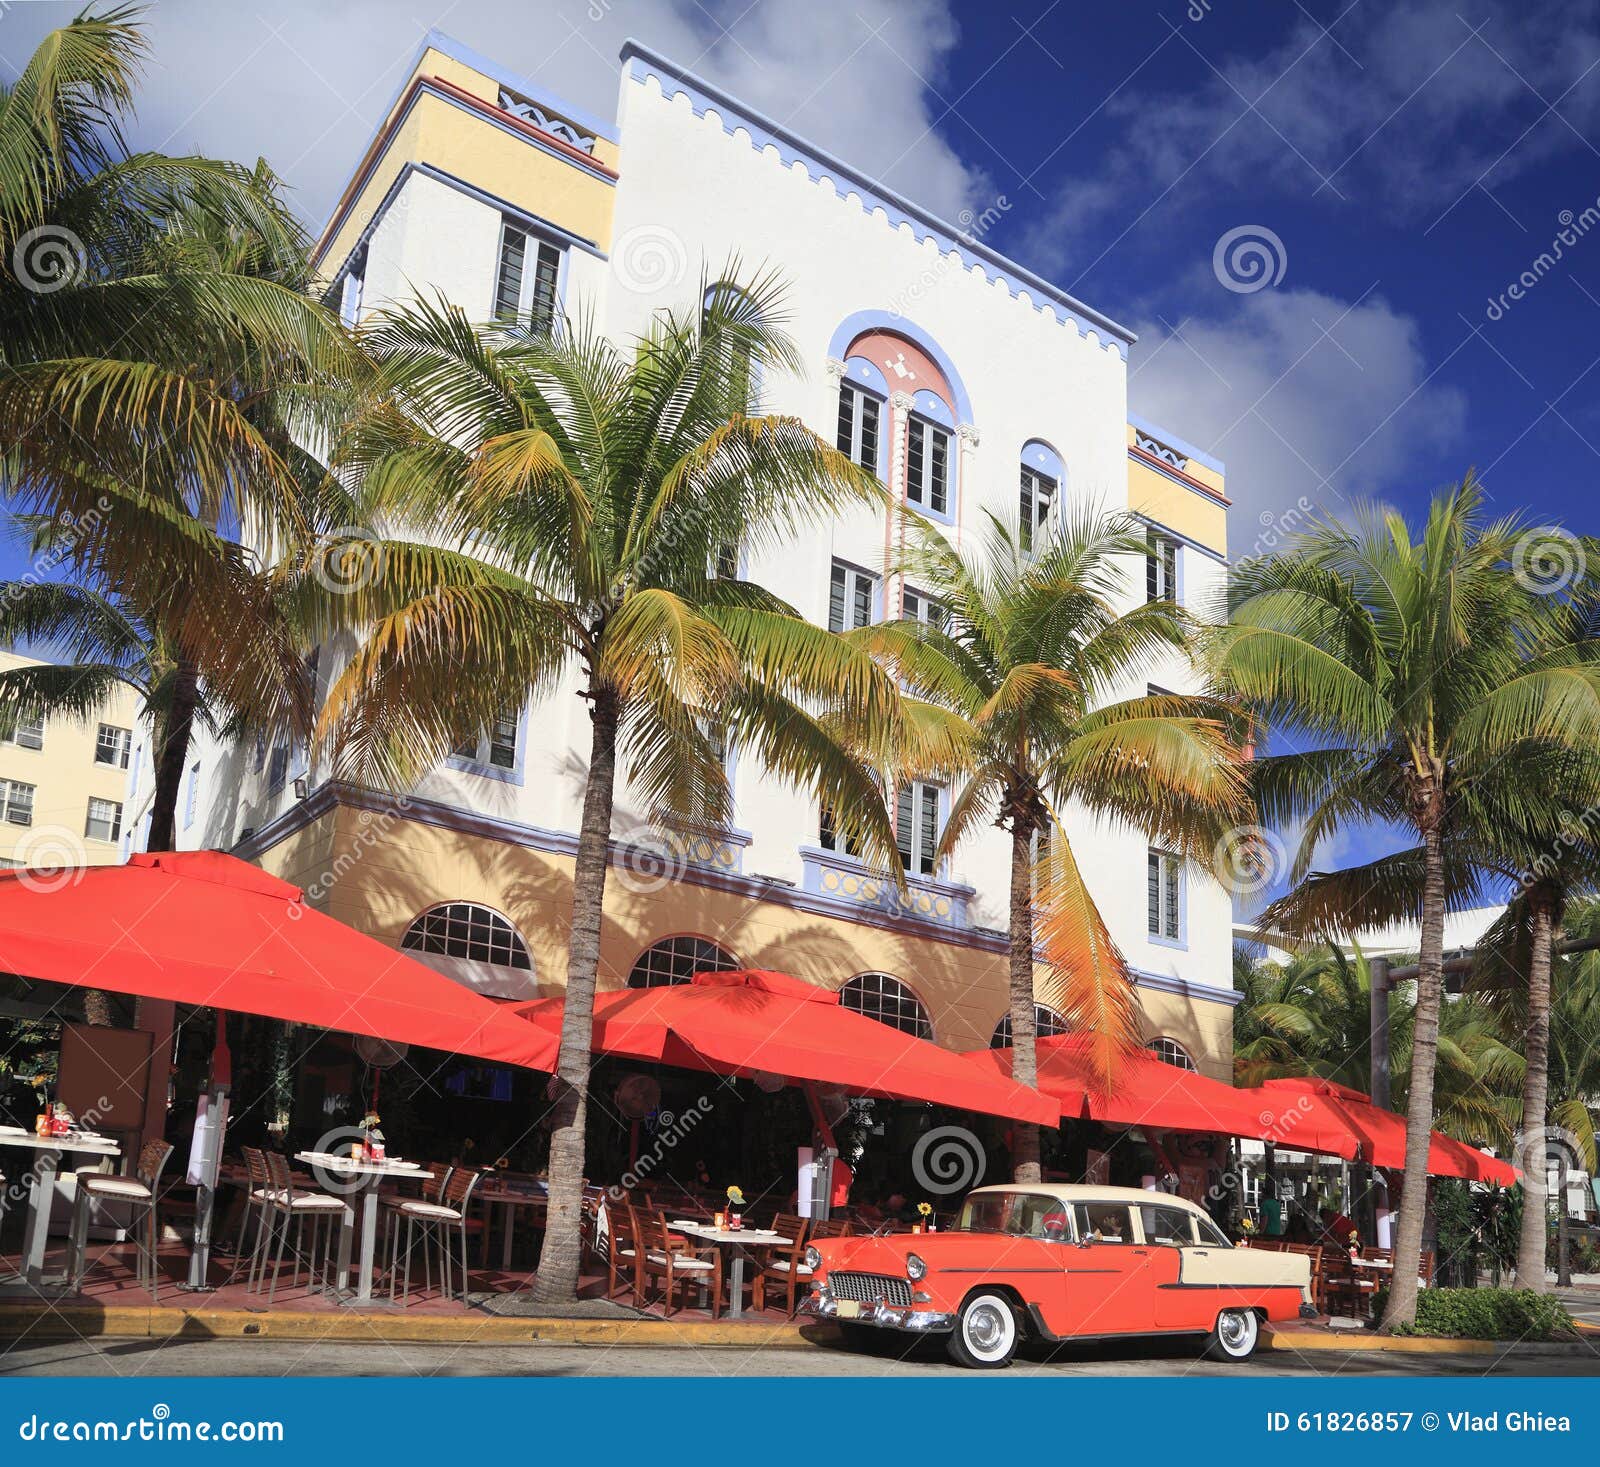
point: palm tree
(1414, 668)
(1026, 663)
(575, 503)
(158, 353)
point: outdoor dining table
(47, 1153)
(358, 1179)
(510, 1200)
(737, 1243)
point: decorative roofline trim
(1166, 470)
(1187, 449)
(437, 40)
(640, 63)
(330, 796)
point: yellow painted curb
(1369, 1342)
(380, 1326)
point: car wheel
(1235, 1336)
(985, 1336)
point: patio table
(510, 1200)
(737, 1243)
(365, 1177)
(47, 1152)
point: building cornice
(641, 63)
(1177, 476)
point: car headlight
(915, 1267)
(813, 1258)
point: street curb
(379, 1327)
(1366, 1342)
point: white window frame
(1036, 486)
(543, 251)
(18, 811)
(119, 745)
(851, 436)
(193, 798)
(920, 491)
(922, 845)
(1161, 568)
(852, 580)
(27, 733)
(480, 750)
(1166, 867)
(112, 823)
(918, 605)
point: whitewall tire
(986, 1333)
(1235, 1336)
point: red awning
(202, 927)
(1382, 1133)
(1150, 1092)
(756, 1023)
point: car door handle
(1201, 1252)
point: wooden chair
(783, 1265)
(623, 1249)
(834, 1227)
(433, 1223)
(670, 1257)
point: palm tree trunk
(1024, 1056)
(557, 1283)
(1532, 1244)
(172, 754)
(1424, 1056)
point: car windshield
(1018, 1214)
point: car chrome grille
(868, 1288)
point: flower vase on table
(924, 1222)
(735, 1210)
(372, 1148)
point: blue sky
(1406, 164)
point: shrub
(1486, 1314)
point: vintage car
(1057, 1263)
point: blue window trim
(858, 323)
(193, 797)
(1037, 454)
(514, 775)
(952, 465)
(866, 377)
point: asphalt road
(150, 1358)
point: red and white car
(1060, 1263)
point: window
(193, 796)
(527, 283)
(889, 1001)
(916, 606)
(859, 416)
(25, 733)
(1170, 1052)
(916, 826)
(1047, 1023)
(467, 930)
(725, 563)
(112, 745)
(852, 595)
(496, 746)
(1210, 1234)
(17, 799)
(1170, 1225)
(104, 820)
(1103, 1222)
(278, 767)
(927, 465)
(352, 288)
(1164, 906)
(1160, 568)
(1037, 497)
(1019, 1214)
(677, 960)
(831, 839)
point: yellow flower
(1247, 1224)
(735, 1195)
(925, 1208)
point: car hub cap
(986, 1330)
(1235, 1330)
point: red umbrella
(201, 927)
(1382, 1133)
(1150, 1092)
(754, 1023)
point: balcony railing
(847, 880)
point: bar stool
(138, 1194)
(432, 1191)
(432, 1222)
(284, 1208)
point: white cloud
(306, 83)
(1302, 394)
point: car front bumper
(913, 1320)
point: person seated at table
(1337, 1229)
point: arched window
(1170, 1052)
(677, 960)
(886, 999)
(1042, 478)
(467, 930)
(1047, 1023)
